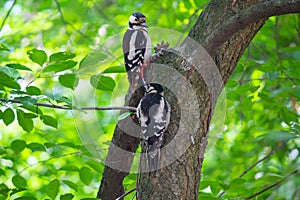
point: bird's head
(154, 88)
(137, 21)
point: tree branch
(272, 186)
(243, 18)
(7, 15)
(129, 108)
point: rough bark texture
(181, 179)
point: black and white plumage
(137, 48)
(153, 112)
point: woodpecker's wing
(136, 48)
(154, 115)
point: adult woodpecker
(136, 48)
(153, 112)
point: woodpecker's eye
(136, 19)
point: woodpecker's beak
(143, 22)
(144, 25)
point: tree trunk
(225, 29)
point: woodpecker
(153, 112)
(137, 48)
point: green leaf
(34, 146)
(71, 185)
(97, 166)
(60, 66)
(275, 136)
(27, 100)
(101, 82)
(26, 198)
(8, 116)
(287, 116)
(30, 115)
(32, 90)
(124, 115)
(1, 113)
(19, 181)
(61, 56)
(53, 188)
(11, 72)
(18, 66)
(18, 145)
(68, 80)
(8, 81)
(86, 175)
(49, 121)
(49, 145)
(67, 196)
(37, 56)
(25, 123)
(69, 167)
(114, 69)
(67, 144)
(3, 47)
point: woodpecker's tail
(153, 158)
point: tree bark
(225, 29)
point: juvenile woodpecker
(153, 112)
(137, 48)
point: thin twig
(271, 186)
(261, 160)
(51, 158)
(127, 193)
(255, 164)
(7, 15)
(266, 79)
(73, 107)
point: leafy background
(51, 51)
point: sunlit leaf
(18, 66)
(26, 198)
(34, 146)
(32, 90)
(86, 175)
(8, 116)
(8, 81)
(37, 56)
(68, 80)
(69, 167)
(19, 181)
(61, 56)
(71, 185)
(53, 188)
(25, 123)
(11, 72)
(62, 66)
(115, 69)
(124, 115)
(68, 196)
(101, 82)
(50, 121)
(3, 47)
(18, 145)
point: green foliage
(47, 60)
(262, 124)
